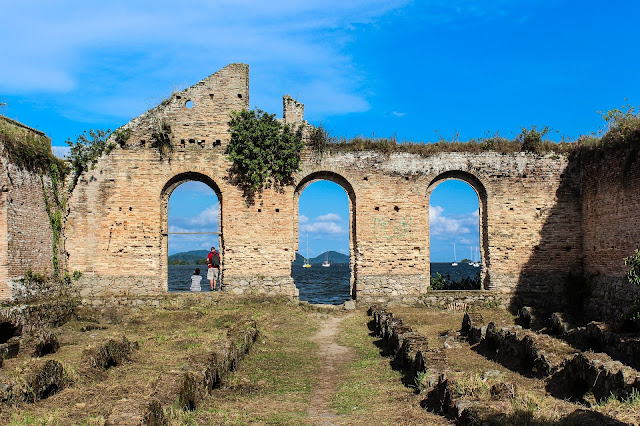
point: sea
(316, 284)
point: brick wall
(25, 232)
(611, 208)
(116, 231)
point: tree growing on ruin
(263, 150)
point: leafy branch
(263, 150)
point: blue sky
(417, 70)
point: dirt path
(331, 356)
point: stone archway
(481, 192)
(165, 195)
(348, 188)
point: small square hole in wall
(396, 208)
(511, 208)
(259, 210)
(406, 178)
(192, 141)
(365, 178)
(211, 96)
(377, 209)
(239, 95)
(277, 210)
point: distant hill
(334, 257)
(193, 257)
(199, 257)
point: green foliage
(440, 282)
(161, 137)
(319, 139)
(122, 136)
(34, 277)
(77, 275)
(633, 275)
(621, 138)
(263, 150)
(633, 262)
(531, 139)
(26, 149)
(54, 212)
(86, 150)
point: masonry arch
(479, 188)
(217, 240)
(348, 188)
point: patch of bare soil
(332, 356)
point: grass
(27, 149)
(532, 405)
(278, 379)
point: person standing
(213, 272)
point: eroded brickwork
(531, 211)
(116, 232)
(611, 208)
(25, 232)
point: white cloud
(330, 217)
(448, 227)
(105, 51)
(399, 114)
(303, 219)
(322, 228)
(209, 216)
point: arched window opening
(322, 270)
(193, 228)
(454, 232)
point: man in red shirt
(213, 262)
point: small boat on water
(455, 262)
(476, 264)
(306, 263)
(326, 263)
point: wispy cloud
(449, 227)
(103, 52)
(399, 114)
(324, 226)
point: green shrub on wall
(263, 150)
(86, 150)
(633, 275)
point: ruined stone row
(596, 336)
(38, 379)
(577, 373)
(598, 373)
(411, 351)
(110, 354)
(191, 384)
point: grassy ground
(282, 372)
(476, 370)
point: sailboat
(306, 259)
(477, 262)
(326, 263)
(470, 256)
(455, 263)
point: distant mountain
(193, 257)
(334, 257)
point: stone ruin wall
(26, 238)
(611, 214)
(531, 211)
(116, 232)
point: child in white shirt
(195, 280)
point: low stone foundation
(388, 289)
(270, 286)
(598, 373)
(189, 386)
